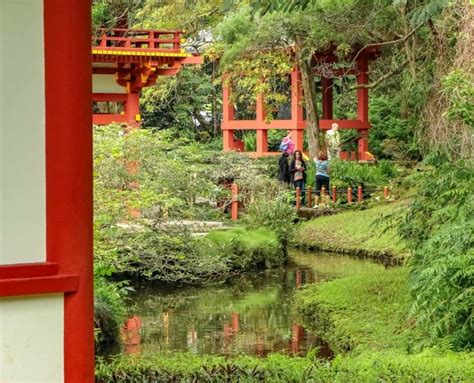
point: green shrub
(439, 229)
(109, 311)
(277, 368)
(352, 174)
(244, 249)
(275, 214)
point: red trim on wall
(28, 270)
(106, 119)
(40, 285)
(68, 71)
(109, 97)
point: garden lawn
(366, 311)
(358, 232)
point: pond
(252, 314)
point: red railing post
(385, 192)
(334, 194)
(359, 193)
(176, 44)
(349, 196)
(103, 40)
(151, 40)
(235, 202)
(309, 196)
(298, 198)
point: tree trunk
(312, 116)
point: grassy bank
(277, 368)
(355, 232)
(364, 319)
(366, 311)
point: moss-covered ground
(355, 231)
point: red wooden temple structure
(126, 60)
(297, 123)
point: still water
(252, 314)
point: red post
(359, 193)
(385, 192)
(69, 200)
(298, 198)
(363, 105)
(334, 194)
(151, 39)
(298, 138)
(309, 193)
(262, 141)
(296, 98)
(132, 109)
(235, 202)
(227, 116)
(228, 139)
(326, 84)
(349, 196)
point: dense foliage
(374, 367)
(439, 229)
(149, 185)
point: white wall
(105, 83)
(22, 132)
(31, 339)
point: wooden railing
(353, 195)
(138, 39)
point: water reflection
(252, 314)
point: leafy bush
(439, 229)
(275, 214)
(169, 254)
(109, 311)
(352, 174)
(244, 249)
(277, 368)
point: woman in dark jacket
(298, 172)
(284, 169)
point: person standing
(322, 175)
(284, 169)
(298, 173)
(333, 142)
(287, 145)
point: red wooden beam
(38, 285)
(28, 270)
(69, 203)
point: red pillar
(227, 117)
(69, 215)
(235, 203)
(262, 142)
(132, 109)
(326, 84)
(296, 98)
(262, 134)
(228, 139)
(363, 106)
(297, 137)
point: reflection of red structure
(233, 328)
(125, 61)
(297, 335)
(131, 334)
(297, 123)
